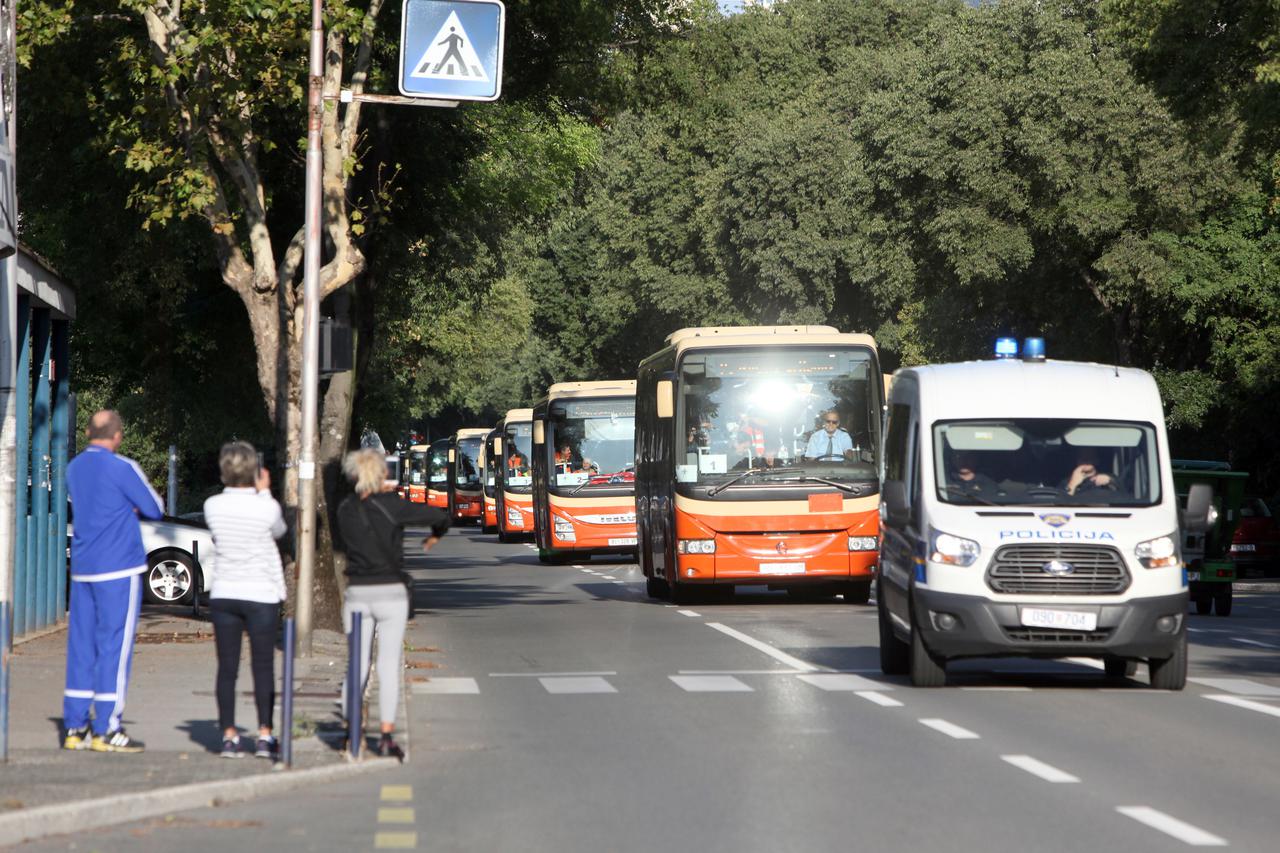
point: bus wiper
(959, 492)
(844, 487)
(715, 490)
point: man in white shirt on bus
(831, 443)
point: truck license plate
(1068, 620)
(782, 568)
(624, 541)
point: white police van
(1028, 509)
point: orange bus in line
(492, 461)
(583, 478)
(415, 474)
(757, 461)
(437, 467)
(466, 462)
(513, 475)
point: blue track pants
(103, 621)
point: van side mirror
(893, 503)
(666, 399)
(1199, 515)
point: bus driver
(831, 443)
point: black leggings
(231, 617)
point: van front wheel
(926, 670)
(1170, 673)
(894, 654)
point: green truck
(1210, 571)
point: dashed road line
(396, 793)
(397, 815)
(400, 814)
(395, 840)
(691, 613)
(877, 698)
(949, 729)
(572, 685)
(1036, 767)
(1240, 686)
(1240, 702)
(710, 684)
(837, 682)
(739, 671)
(438, 686)
(1259, 643)
(1171, 826)
(1011, 689)
(760, 645)
(602, 672)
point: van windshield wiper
(715, 490)
(959, 492)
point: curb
(84, 815)
(1257, 586)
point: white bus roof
(612, 388)
(710, 336)
(473, 432)
(516, 416)
(1009, 388)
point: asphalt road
(565, 711)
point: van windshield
(1046, 462)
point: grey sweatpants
(387, 607)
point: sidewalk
(170, 708)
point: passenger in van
(831, 443)
(967, 479)
(1086, 477)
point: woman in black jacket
(371, 523)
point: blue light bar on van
(1006, 347)
(1033, 349)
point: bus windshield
(787, 413)
(518, 447)
(418, 468)
(593, 443)
(468, 462)
(1047, 462)
(438, 465)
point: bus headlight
(696, 546)
(564, 530)
(864, 543)
(952, 550)
(1158, 553)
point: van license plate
(1069, 620)
(1193, 576)
(630, 541)
(782, 568)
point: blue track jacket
(105, 490)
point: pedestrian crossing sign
(452, 49)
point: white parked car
(179, 555)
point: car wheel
(171, 578)
(926, 670)
(894, 654)
(1204, 603)
(1171, 672)
(1222, 601)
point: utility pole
(310, 335)
(8, 356)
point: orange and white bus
(466, 462)
(488, 473)
(513, 475)
(583, 478)
(414, 486)
(435, 463)
(757, 461)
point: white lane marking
(693, 613)
(1241, 686)
(586, 571)
(621, 583)
(590, 684)
(447, 685)
(739, 672)
(576, 566)
(949, 729)
(1036, 767)
(608, 577)
(1260, 707)
(879, 699)
(1092, 662)
(1013, 689)
(551, 674)
(1193, 835)
(1249, 642)
(710, 684)
(760, 645)
(836, 682)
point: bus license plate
(1069, 620)
(782, 568)
(625, 541)
(463, 505)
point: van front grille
(1042, 635)
(1080, 570)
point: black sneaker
(388, 748)
(266, 747)
(231, 747)
(117, 741)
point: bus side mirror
(893, 503)
(1199, 515)
(666, 399)
(539, 435)
(452, 457)
(497, 447)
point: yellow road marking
(397, 793)
(395, 840)
(404, 815)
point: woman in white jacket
(247, 589)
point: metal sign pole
(310, 337)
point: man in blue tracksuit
(108, 493)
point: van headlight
(952, 550)
(564, 530)
(1158, 553)
(864, 543)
